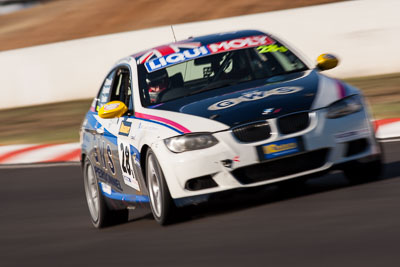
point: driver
(157, 82)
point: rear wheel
(161, 202)
(100, 214)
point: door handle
(100, 130)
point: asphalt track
(44, 221)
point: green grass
(382, 92)
(59, 122)
(386, 110)
(50, 123)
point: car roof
(167, 49)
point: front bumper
(231, 164)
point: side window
(104, 94)
(121, 88)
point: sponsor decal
(104, 98)
(253, 96)
(271, 48)
(176, 58)
(164, 50)
(110, 161)
(125, 128)
(102, 175)
(108, 82)
(267, 111)
(328, 56)
(351, 135)
(103, 155)
(127, 167)
(240, 43)
(165, 56)
(111, 106)
(280, 148)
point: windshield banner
(176, 58)
(188, 54)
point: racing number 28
(125, 164)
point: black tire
(361, 172)
(161, 203)
(100, 214)
(293, 185)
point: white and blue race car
(176, 124)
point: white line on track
(39, 165)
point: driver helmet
(157, 82)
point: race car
(177, 124)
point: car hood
(251, 101)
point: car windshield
(216, 71)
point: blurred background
(60, 20)
(54, 55)
(31, 23)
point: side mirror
(113, 109)
(327, 62)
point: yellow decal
(271, 48)
(270, 149)
(124, 129)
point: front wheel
(359, 172)
(161, 202)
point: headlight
(344, 107)
(190, 142)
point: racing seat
(240, 69)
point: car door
(103, 140)
(128, 159)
